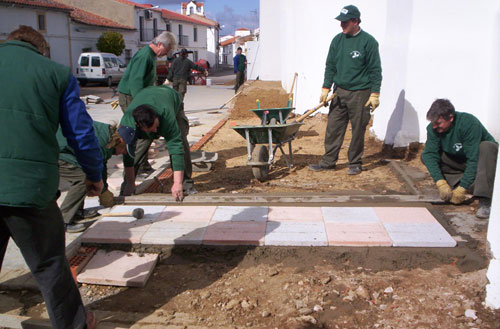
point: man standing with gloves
(353, 64)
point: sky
(231, 14)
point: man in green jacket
(180, 72)
(37, 96)
(141, 73)
(353, 64)
(460, 155)
(152, 113)
(110, 144)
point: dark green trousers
(39, 234)
(75, 197)
(348, 106)
(453, 170)
(180, 85)
(240, 80)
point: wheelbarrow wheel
(260, 154)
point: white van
(99, 67)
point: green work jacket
(140, 72)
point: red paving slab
(295, 214)
(116, 230)
(118, 268)
(357, 234)
(404, 215)
(235, 233)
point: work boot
(85, 214)
(320, 167)
(483, 208)
(354, 170)
(75, 227)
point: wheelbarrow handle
(314, 109)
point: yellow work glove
(324, 95)
(373, 101)
(444, 190)
(458, 195)
(106, 199)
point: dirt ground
(298, 288)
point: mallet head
(138, 213)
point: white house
(229, 45)
(429, 50)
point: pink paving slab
(295, 214)
(404, 215)
(118, 268)
(116, 230)
(235, 233)
(187, 214)
(357, 234)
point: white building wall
(212, 46)
(56, 32)
(429, 49)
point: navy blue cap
(129, 137)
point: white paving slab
(295, 234)
(419, 235)
(240, 214)
(349, 214)
(168, 233)
(151, 213)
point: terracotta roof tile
(140, 5)
(85, 17)
(228, 42)
(165, 13)
(38, 4)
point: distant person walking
(180, 72)
(240, 65)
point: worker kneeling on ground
(153, 113)
(460, 155)
(110, 143)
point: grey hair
(167, 39)
(441, 108)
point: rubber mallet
(137, 213)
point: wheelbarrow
(262, 143)
(273, 116)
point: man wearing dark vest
(180, 71)
(353, 64)
(38, 95)
(460, 155)
(141, 73)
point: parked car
(99, 67)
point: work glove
(206, 73)
(324, 95)
(106, 199)
(167, 82)
(373, 102)
(458, 195)
(444, 190)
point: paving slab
(349, 215)
(201, 214)
(174, 232)
(151, 213)
(118, 268)
(295, 214)
(419, 235)
(404, 215)
(357, 234)
(235, 233)
(240, 214)
(295, 234)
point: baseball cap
(348, 12)
(129, 137)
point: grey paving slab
(151, 213)
(349, 214)
(169, 233)
(295, 234)
(240, 214)
(419, 235)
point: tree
(111, 42)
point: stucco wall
(429, 50)
(114, 10)
(56, 32)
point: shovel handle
(314, 109)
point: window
(195, 34)
(128, 55)
(96, 61)
(141, 28)
(107, 62)
(191, 10)
(84, 61)
(155, 28)
(114, 60)
(40, 18)
(195, 55)
(168, 28)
